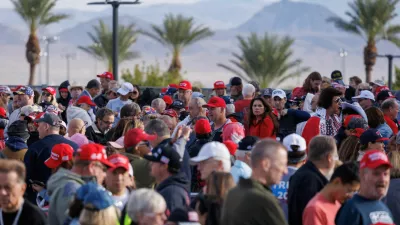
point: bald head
(265, 149)
(76, 126)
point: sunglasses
(46, 94)
(338, 100)
(134, 92)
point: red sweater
(262, 129)
(392, 125)
(241, 104)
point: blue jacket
(34, 159)
(175, 190)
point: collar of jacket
(251, 183)
(313, 168)
(96, 129)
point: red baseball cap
(51, 90)
(17, 88)
(63, 90)
(373, 159)
(163, 90)
(202, 126)
(219, 85)
(232, 146)
(107, 75)
(93, 152)
(85, 99)
(171, 113)
(3, 112)
(173, 86)
(136, 135)
(185, 85)
(348, 118)
(167, 99)
(215, 102)
(119, 161)
(357, 132)
(59, 153)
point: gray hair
(199, 101)
(103, 112)
(144, 200)
(248, 90)
(158, 103)
(389, 103)
(158, 127)
(265, 148)
(230, 108)
(320, 147)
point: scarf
(329, 125)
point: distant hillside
(291, 17)
(10, 36)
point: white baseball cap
(299, 153)
(215, 150)
(278, 92)
(125, 88)
(294, 139)
(365, 94)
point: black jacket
(64, 101)
(303, 185)
(175, 190)
(193, 152)
(94, 134)
(101, 101)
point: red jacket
(311, 129)
(262, 129)
(241, 104)
(392, 125)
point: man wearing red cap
(136, 144)
(366, 207)
(105, 78)
(217, 114)
(90, 162)
(185, 92)
(219, 88)
(117, 180)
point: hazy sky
(81, 4)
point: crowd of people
(109, 153)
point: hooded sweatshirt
(16, 148)
(61, 188)
(77, 112)
(175, 190)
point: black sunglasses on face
(46, 94)
(134, 92)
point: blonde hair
(394, 157)
(99, 217)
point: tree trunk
(370, 52)
(176, 64)
(32, 55)
(32, 68)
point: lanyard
(16, 217)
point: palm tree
(36, 13)
(371, 20)
(266, 59)
(176, 33)
(102, 43)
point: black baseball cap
(18, 128)
(185, 215)
(177, 104)
(247, 143)
(337, 77)
(236, 81)
(268, 92)
(166, 154)
(371, 135)
(383, 95)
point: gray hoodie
(61, 188)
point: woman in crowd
(48, 97)
(392, 198)
(209, 205)
(376, 120)
(135, 96)
(64, 99)
(311, 85)
(262, 122)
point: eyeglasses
(277, 99)
(46, 94)
(338, 100)
(107, 122)
(84, 125)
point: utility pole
(115, 5)
(48, 40)
(68, 57)
(343, 54)
(390, 67)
